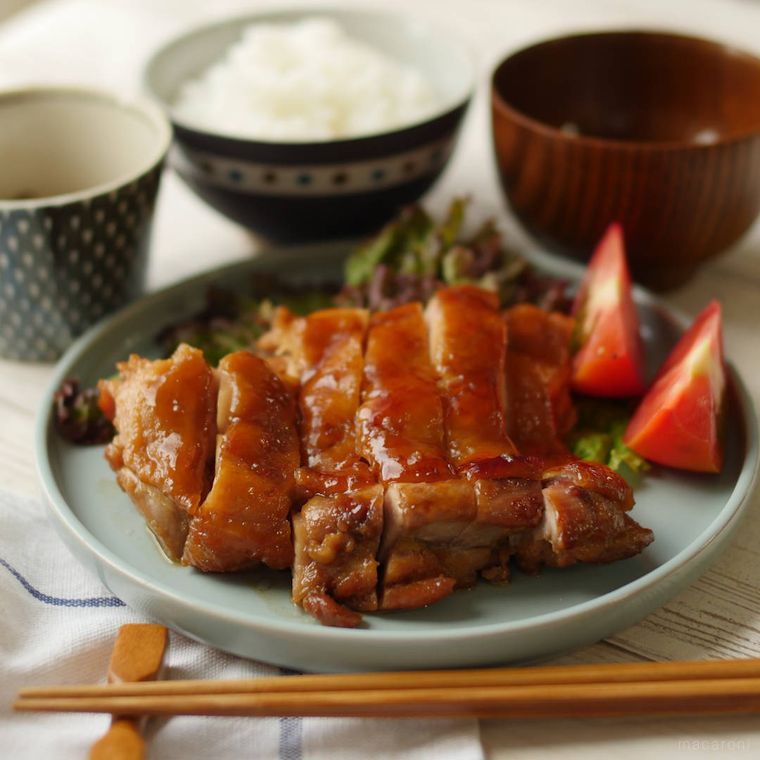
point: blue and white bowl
(80, 173)
(306, 191)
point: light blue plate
(250, 614)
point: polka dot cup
(81, 171)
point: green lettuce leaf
(598, 436)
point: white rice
(304, 81)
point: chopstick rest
(137, 656)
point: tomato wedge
(610, 360)
(678, 422)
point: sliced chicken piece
(468, 349)
(541, 411)
(421, 540)
(414, 577)
(468, 345)
(164, 414)
(585, 503)
(310, 482)
(400, 421)
(167, 521)
(331, 380)
(425, 549)
(509, 502)
(433, 512)
(244, 521)
(337, 531)
(401, 434)
(592, 476)
(585, 520)
(336, 543)
(504, 507)
(283, 342)
(323, 354)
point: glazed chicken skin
(337, 530)
(245, 519)
(323, 358)
(336, 539)
(468, 346)
(222, 517)
(538, 379)
(584, 517)
(584, 520)
(162, 453)
(401, 434)
(387, 458)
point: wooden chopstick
(702, 696)
(424, 679)
(725, 686)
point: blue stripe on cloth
(291, 734)
(57, 601)
(291, 731)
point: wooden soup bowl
(658, 131)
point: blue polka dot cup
(81, 170)
(301, 192)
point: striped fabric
(57, 625)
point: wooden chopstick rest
(137, 656)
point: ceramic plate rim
(731, 511)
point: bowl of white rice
(317, 125)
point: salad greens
(231, 322)
(414, 255)
(77, 416)
(408, 260)
(227, 324)
(598, 436)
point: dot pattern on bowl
(63, 267)
(313, 180)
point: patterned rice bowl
(309, 191)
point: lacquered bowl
(658, 131)
(309, 191)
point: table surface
(719, 616)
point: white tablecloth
(58, 625)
